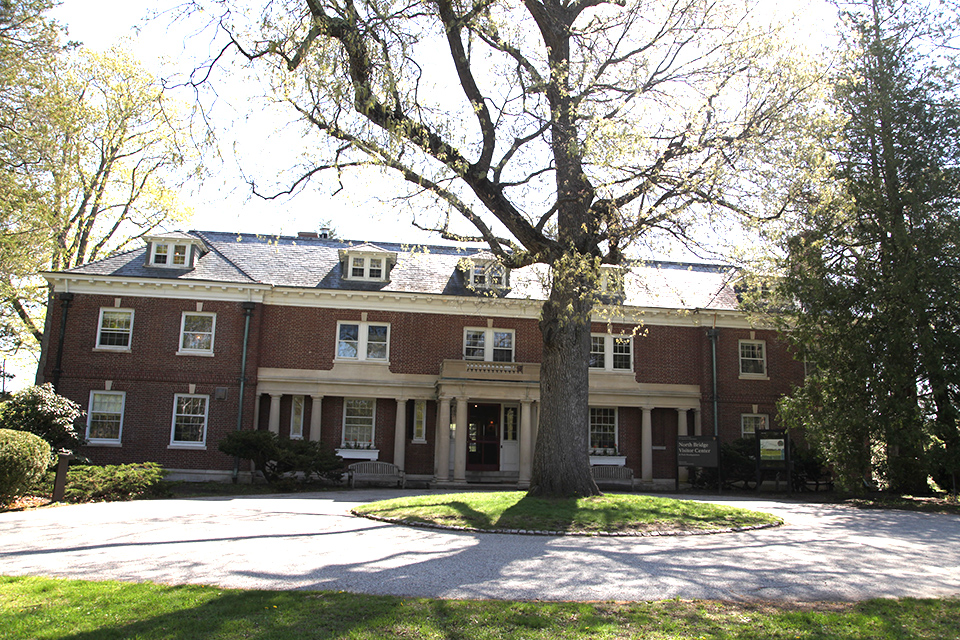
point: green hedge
(110, 483)
(23, 459)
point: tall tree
(92, 156)
(562, 131)
(875, 270)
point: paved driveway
(310, 541)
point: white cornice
(156, 288)
(403, 302)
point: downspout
(712, 333)
(247, 313)
(65, 300)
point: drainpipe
(712, 334)
(65, 300)
(247, 313)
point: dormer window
(173, 250)
(611, 281)
(367, 262)
(486, 274)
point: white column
(442, 463)
(256, 413)
(400, 435)
(646, 446)
(683, 472)
(316, 404)
(274, 424)
(460, 442)
(697, 425)
(526, 445)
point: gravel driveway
(310, 541)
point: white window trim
(488, 343)
(608, 342)
(123, 408)
(171, 252)
(366, 277)
(419, 426)
(181, 351)
(616, 431)
(296, 426)
(108, 347)
(180, 444)
(373, 426)
(744, 416)
(363, 334)
(487, 268)
(752, 376)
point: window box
(610, 461)
(359, 454)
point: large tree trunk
(561, 461)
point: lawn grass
(613, 513)
(51, 609)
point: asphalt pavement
(310, 541)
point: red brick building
(384, 351)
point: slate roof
(314, 263)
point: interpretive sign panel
(773, 450)
(698, 451)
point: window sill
(112, 350)
(609, 461)
(186, 445)
(202, 354)
(359, 454)
(754, 376)
(104, 443)
(415, 441)
(359, 361)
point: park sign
(698, 451)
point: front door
(483, 437)
(509, 441)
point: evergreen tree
(874, 271)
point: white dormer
(484, 272)
(611, 280)
(173, 250)
(367, 263)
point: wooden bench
(608, 474)
(376, 471)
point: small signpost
(773, 454)
(697, 451)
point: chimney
(323, 233)
(309, 234)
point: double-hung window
(420, 421)
(358, 421)
(363, 341)
(750, 423)
(115, 329)
(105, 417)
(189, 428)
(491, 345)
(603, 430)
(296, 418)
(753, 359)
(196, 333)
(169, 255)
(611, 353)
(367, 268)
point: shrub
(40, 411)
(282, 460)
(112, 483)
(23, 459)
